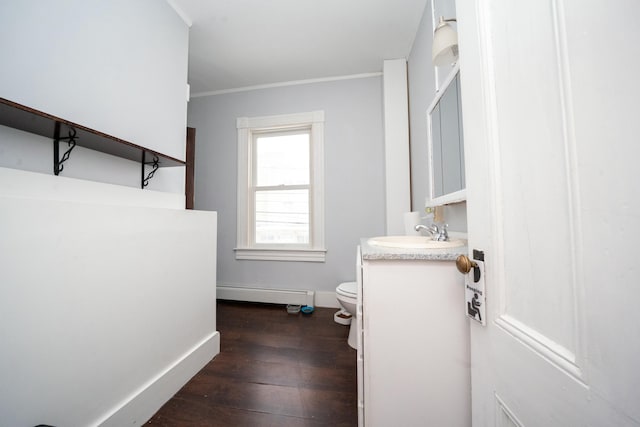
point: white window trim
(315, 252)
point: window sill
(301, 255)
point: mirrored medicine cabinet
(446, 144)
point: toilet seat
(348, 289)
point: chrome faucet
(438, 233)
(432, 229)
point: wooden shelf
(20, 117)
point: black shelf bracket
(71, 141)
(155, 164)
(21, 117)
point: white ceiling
(243, 43)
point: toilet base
(343, 317)
(353, 336)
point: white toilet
(347, 295)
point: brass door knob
(464, 264)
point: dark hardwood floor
(274, 369)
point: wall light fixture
(445, 43)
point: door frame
(189, 180)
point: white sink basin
(414, 242)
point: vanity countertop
(370, 252)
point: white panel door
(550, 102)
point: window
(280, 187)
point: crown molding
(290, 83)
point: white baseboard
(277, 296)
(143, 404)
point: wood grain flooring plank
(274, 369)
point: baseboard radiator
(271, 296)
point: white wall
(106, 310)
(107, 303)
(119, 67)
(354, 175)
(422, 90)
(24, 184)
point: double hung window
(280, 187)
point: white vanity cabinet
(413, 355)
